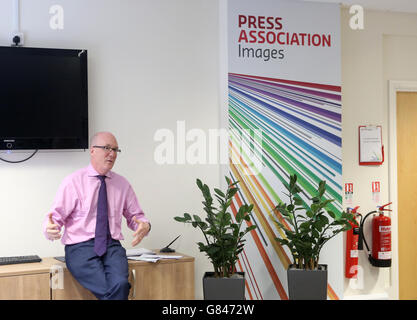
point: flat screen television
(43, 98)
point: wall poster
(284, 116)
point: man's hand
(52, 229)
(141, 231)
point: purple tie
(102, 222)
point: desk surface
(45, 265)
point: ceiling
(409, 6)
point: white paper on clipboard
(370, 139)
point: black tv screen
(43, 99)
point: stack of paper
(166, 256)
(138, 252)
(152, 257)
(144, 257)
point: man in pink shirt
(90, 204)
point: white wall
(385, 50)
(150, 63)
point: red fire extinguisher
(352, 241)
(381, 238)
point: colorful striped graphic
(279, 127)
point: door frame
(394, 87)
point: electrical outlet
(21, 37)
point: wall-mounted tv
(43, 98)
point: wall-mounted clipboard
(371, 149)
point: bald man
(90, 204)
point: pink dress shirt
(75, 205)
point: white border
(394, 87)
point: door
(164, 280)
(25, 287)
(407, 193)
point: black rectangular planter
(223, 288)
(307, 284)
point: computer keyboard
(19, 259)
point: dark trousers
(107, 276)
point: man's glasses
(108, 149)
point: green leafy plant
(223, 236)
(309, 227)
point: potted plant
(223, 241)
(309, 227)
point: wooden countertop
(28, 268)
(47, 263)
